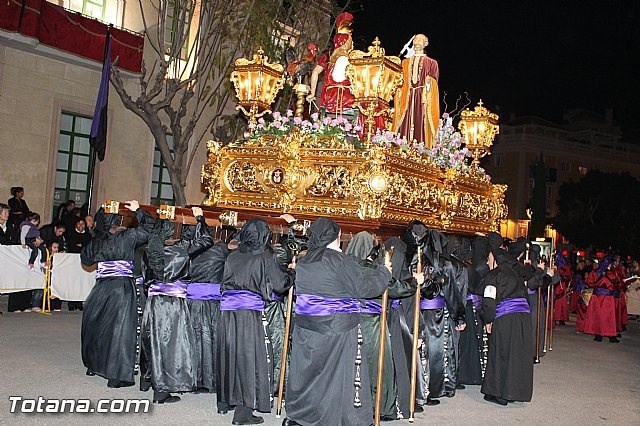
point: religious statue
(417, 102)
(335, 96)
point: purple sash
(617, 294)
(602, 291)
(395, 304)
(437, 302)
(233, 300)
(476, 300)
(512, 305)
(114, 268)
(531, 292)
(139, 281)
(312, 305)
(276, 297)
(203, 291)
(371, 307)
(174, 289)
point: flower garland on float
(448, 151)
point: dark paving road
(580, 382)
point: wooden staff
(383, 341)
(414, 355)
(285, 347)
(46, 293)
(383, 335)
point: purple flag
(98, 135)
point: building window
(566, 166)
(94, 8)
(497, 161)
(173, 26)
(73, 161)
(161, 190)
(583, 170)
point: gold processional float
(324, 167)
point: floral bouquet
(448, 150)
(389, 139)
(336, 127)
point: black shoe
(598, 338)
(201, 390)
(384, 419)
(624, 327)
(496, 400)
(167, 399)
(145, 386)
(254, 420)
(618, 335)
(418, 409)
(613, 340)
(90, 373)
(289, 422)
(118, 384)
(431, 402)
(561, 323)
(460, 387)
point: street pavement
(580, 382)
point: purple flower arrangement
(337, 127)
(449, 151)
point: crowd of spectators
(71, 229)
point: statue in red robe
(336, 95)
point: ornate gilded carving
(371, 184)
(241, 176)
(210, 174)
(301, 174)
(286, 177)
(331, 181)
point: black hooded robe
(326, 356)
(245, 354)
(167, 334)
(509, 373)
(360, 247)
(207, 268)
(400, 323)
(473, 345)
(440, 336)
(113, 311)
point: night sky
(521, 57)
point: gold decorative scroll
(302, 174)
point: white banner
(69, 281)
(15, 275)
